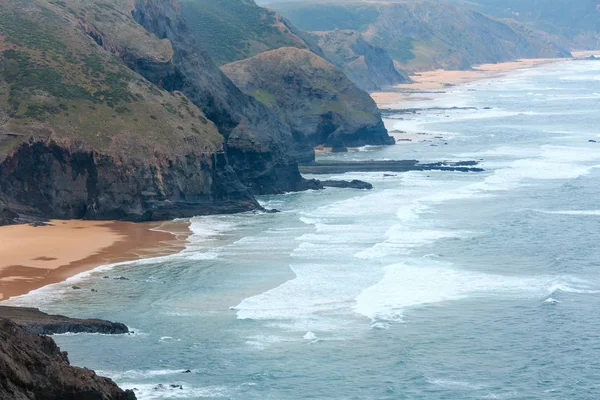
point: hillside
(422, 35)
(232, 30)
(577, 21)
(102, 119)
(316, 99)
(76, 122)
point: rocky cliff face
(259, 145)
(314, 97)
(32, 367)
(369, 67)
(83, 136)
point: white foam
(572, 212)
(146, 391)
(139, 374)
(309, 336)
(421, 282)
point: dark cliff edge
(33, 367)
(35, 321)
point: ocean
(434, 285)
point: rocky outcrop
(32, 367)
(369, 67)
(354, 184)
(35, 321)
(316, 99)
(57, 180)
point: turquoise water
(435, 285)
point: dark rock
(355, 184)
(388, 166)
(187, 371)
(36, 321)
(33, 367)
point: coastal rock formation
(354, 184)
(35, 321)
(369, 67)
(316, 99)
(83, 136)
(32, 367)
(259, 145)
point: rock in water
(34, 321)
(33, 367)
(315, 98)
(354, 184)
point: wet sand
(33, 257)
(439, 80)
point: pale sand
(33, 257)
(438, 80)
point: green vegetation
(565, 17)
(54, 80)
(232, 30)
(315, 16)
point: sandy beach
(33, 257)
(438, 80)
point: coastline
(34, 257)
(438, 80)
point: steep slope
(423, 35)
(369, 67)
(316, 99)
(83, 136)
(259, 145)
(232, 30)
(33, 367)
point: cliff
(314, 97)
(83, 136)
(32, 367)
(369, 67)
(110, 110)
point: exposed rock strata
(32, 367)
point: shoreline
(437, 81)
(34, 257)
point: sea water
(434, 285)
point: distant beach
(442, 79)
(33, 257)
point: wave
(421, 282)
(571, 212)
(177, 390)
